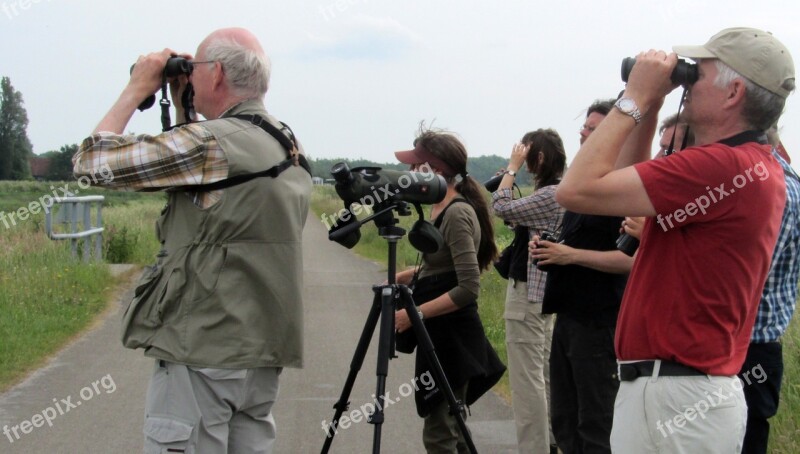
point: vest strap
(289, 144)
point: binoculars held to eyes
(685, 73)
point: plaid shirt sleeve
(185, 156)
(538, 212)
(779, 298)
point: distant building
(39, 167)
(317, 180)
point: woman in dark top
(446, 288)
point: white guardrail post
(73, 207)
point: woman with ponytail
(446, 288)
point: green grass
(46, 296)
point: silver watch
(628, 107)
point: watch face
(626, 105)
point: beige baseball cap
(753, 53)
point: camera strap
(293, 157)
(166, 122)
(671, 148)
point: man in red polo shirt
(715, 208)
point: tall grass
(46, 295)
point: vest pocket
(144, 301)
(144, 314)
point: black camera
(545, 236)
(384, 190)
(627, 244)
(174, 67)
(493, 183)
(373, 185)
(685, 73)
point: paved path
(92, 392)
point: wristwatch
(628, 107)
(512, 173)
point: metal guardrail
(75, 208)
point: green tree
(15, 147)
(61, 163)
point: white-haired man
(221, 311)
(686, 317)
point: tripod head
(423, 236)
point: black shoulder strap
(440, 218)
(293, 157)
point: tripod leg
(355, 365)
(426, 346)
(385, 352)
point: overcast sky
(355, 77)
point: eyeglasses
(200, 62)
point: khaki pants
(440, 431)
(201, 410)
(529, 334)
(679, 415)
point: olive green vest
(227, 289)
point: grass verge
(47, 297)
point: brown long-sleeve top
(462, 235)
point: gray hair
(246, 70)
(762, 108)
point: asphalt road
(89, 398)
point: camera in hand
(685, 73)
(627, 244)
(493, 183)
(545, 236)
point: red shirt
(695, 286)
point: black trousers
(583, 385)
(761, 377)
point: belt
(632, 371)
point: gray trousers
(529, 334)
(202, 410)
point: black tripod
(387, 298)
